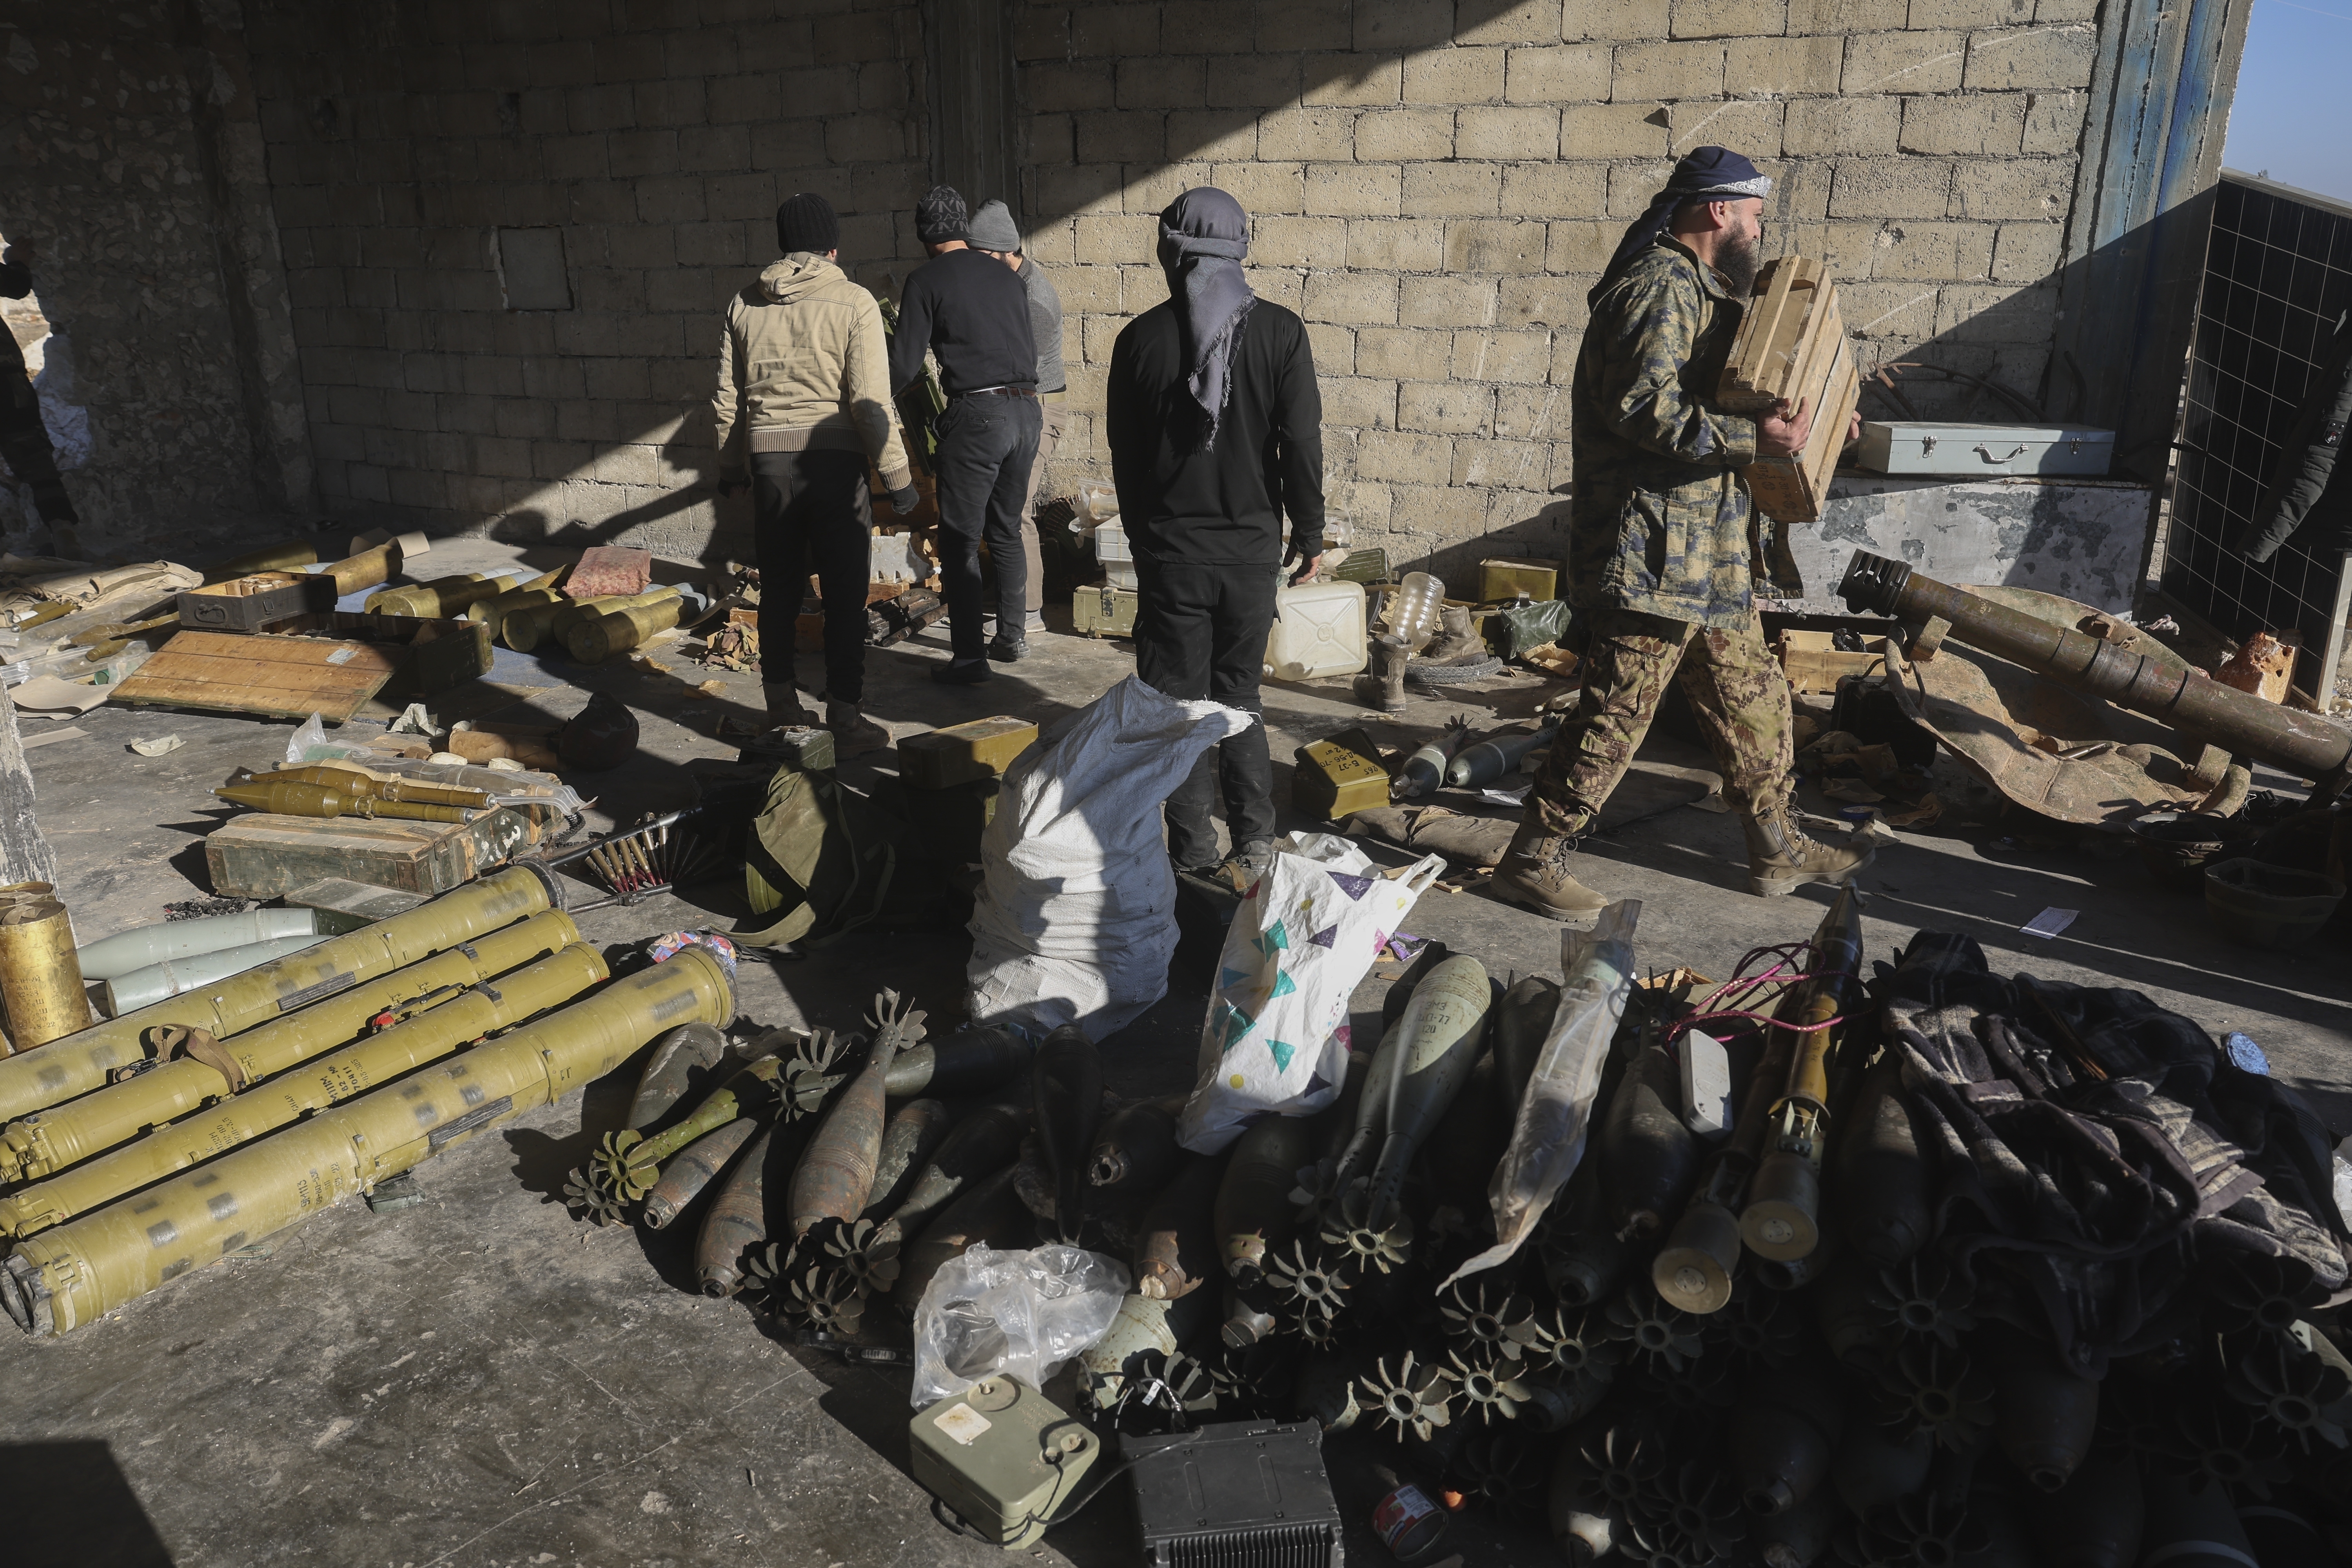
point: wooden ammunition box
(962, 753)
(326, 663)
(1104, 612)
(1792, 347)
(1338, 776)
(1500, 580)
(249, 604)
(265, 856)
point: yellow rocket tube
(62, 1278)
(32, 1080)
(337, 1076)
(47, 1142)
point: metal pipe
(2165, 690)
(48, 1140)
(127, 993)
(62, 1278)
(112, 956)
(311, 1087)
(34, 1080)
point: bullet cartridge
(695, 1168)
(141, 987)
(58, 1071)
(303, 1089)
(62, 1278)
(40, 979)
(47, 1142)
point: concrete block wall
(658, 136)
(1435, 185)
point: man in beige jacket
(804, 370)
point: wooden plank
(269, 676)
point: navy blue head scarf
(1703, 172)
(1203, 236)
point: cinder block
(1357, 402)
(1524, 22)
(1213, 26)
(1531, 413)
(1446, 300)
(1452, 190)
(1648, 72)
(1307, 133)
(2066, 10)
(1398, 455)
(1615, 19)
(1118, 136)
(1082, 190)
(1052, 86)
(1727, 18)
(1150, 190)
(670, 198)
(1041, 33)
(1928, 252)
(1113, 32)
(1304, 25)
(1396, 244)
(1902, 311)
(1334, 348)
(1123, 237)
(1405, 23)
(714, 149)
(1262, 187)
(1806, 17)
(1891, 187)
(1353, 190)
(1968, 13)
(1612, 131)
(1296, 241)
(2027, 252)
(1454, 76)
(1352, 298)
(866, 139)
(1501, 245)
(1993, 313)
(1782, 68)
(1502, 464)
(854, 38)
(1440, 512)
(1810, 127)
(2053, 122)
(1507, 133)
(1406, 354)
(1360, 81)
(1556, 189)
(1582, 247)
(1254, 81)
(812, 92)
(1750, 125)
(1086, 289)
(1400, 134)
(1161, 81)
(1443, 408)
(1904, 62)
(1564, 73)
(1212, 135)
(2055, 57)
(2019, 188)
(1509, 356)
(1976, 123)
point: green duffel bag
(822, 859)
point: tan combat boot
(1781, 858)
(1457, 654)
(1382, 686)
(1534, 875)
(853, 734)
(784, 709)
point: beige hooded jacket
(804, 366)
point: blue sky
(2293, 115)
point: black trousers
(24, 446)
(811, 511)
(1201, 631)
(987, 443)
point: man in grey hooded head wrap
(1214, 426)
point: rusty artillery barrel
(1255, 1217)
(2164, 689)
(909, 1139)
(695, 1168)
(1066, 1080)
(737, 1220)
(1176, 1244)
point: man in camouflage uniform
(1659, 546)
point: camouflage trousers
(1735, 687)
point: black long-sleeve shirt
(1224, 506)
(15, 282)
(971, 311)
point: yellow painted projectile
(594, 642)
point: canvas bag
(1275, 1039)
(822, 859)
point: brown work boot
(1781, 858)
(853, 734)
(1534, 876)
(784, 709)
(1382, 686)
(1458, 654)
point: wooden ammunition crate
(1104, 612)
(963, 753)
(1792, 347)
(249, 604)
(326, 664)
(265, 856)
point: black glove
(906, 499)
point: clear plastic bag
(1021, 1313)
(312, 732)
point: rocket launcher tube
(48, 1142)
(1782, 1221)
(127, 992)
(335, 1077)
(62, 1278)
(125, 951)
(45, 1076)
(357, 783)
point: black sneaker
(1008, 650)
(971, 674)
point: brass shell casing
(40, 975)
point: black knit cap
(941, 215)
(807, 222)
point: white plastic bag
(311, 731)
(1275, 1039)
(1016, 1312)
(1076, 922)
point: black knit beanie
(806, 222)
(941, 215)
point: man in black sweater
(24, 440)
(971, 311)
(1215, 429)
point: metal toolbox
(1958, 450)
(250, 603)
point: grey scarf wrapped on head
(1203, 236)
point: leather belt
(1000, 392)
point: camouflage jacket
(1661, 522)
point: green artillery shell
(61, 1279)
(1135, 1152)
(48, 1142)
(1394, 1000)
(738, 1221)
(1521, 1022)
(2042, 1413)
(987, 1141)
(972, 1061)
(680, 1059)
(989, 1210)
(1882, 1180)
(1175, 1245)
(1066, 1081)
(2193, 1527)
(836, 1177)
(299, 1090)
(910, 1137)
(1255, 1217)
(1784, 1433)
(32, 1080)
(1582, 1260)
(1363, 1141)
(1877, 1464)
(1336, 1123)
(694, 1168)
(2095, 1519)
(1850, 1323)
(1468, 1142)
(1444, 1028)
(1649, 1158)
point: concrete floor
(480, 1380)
